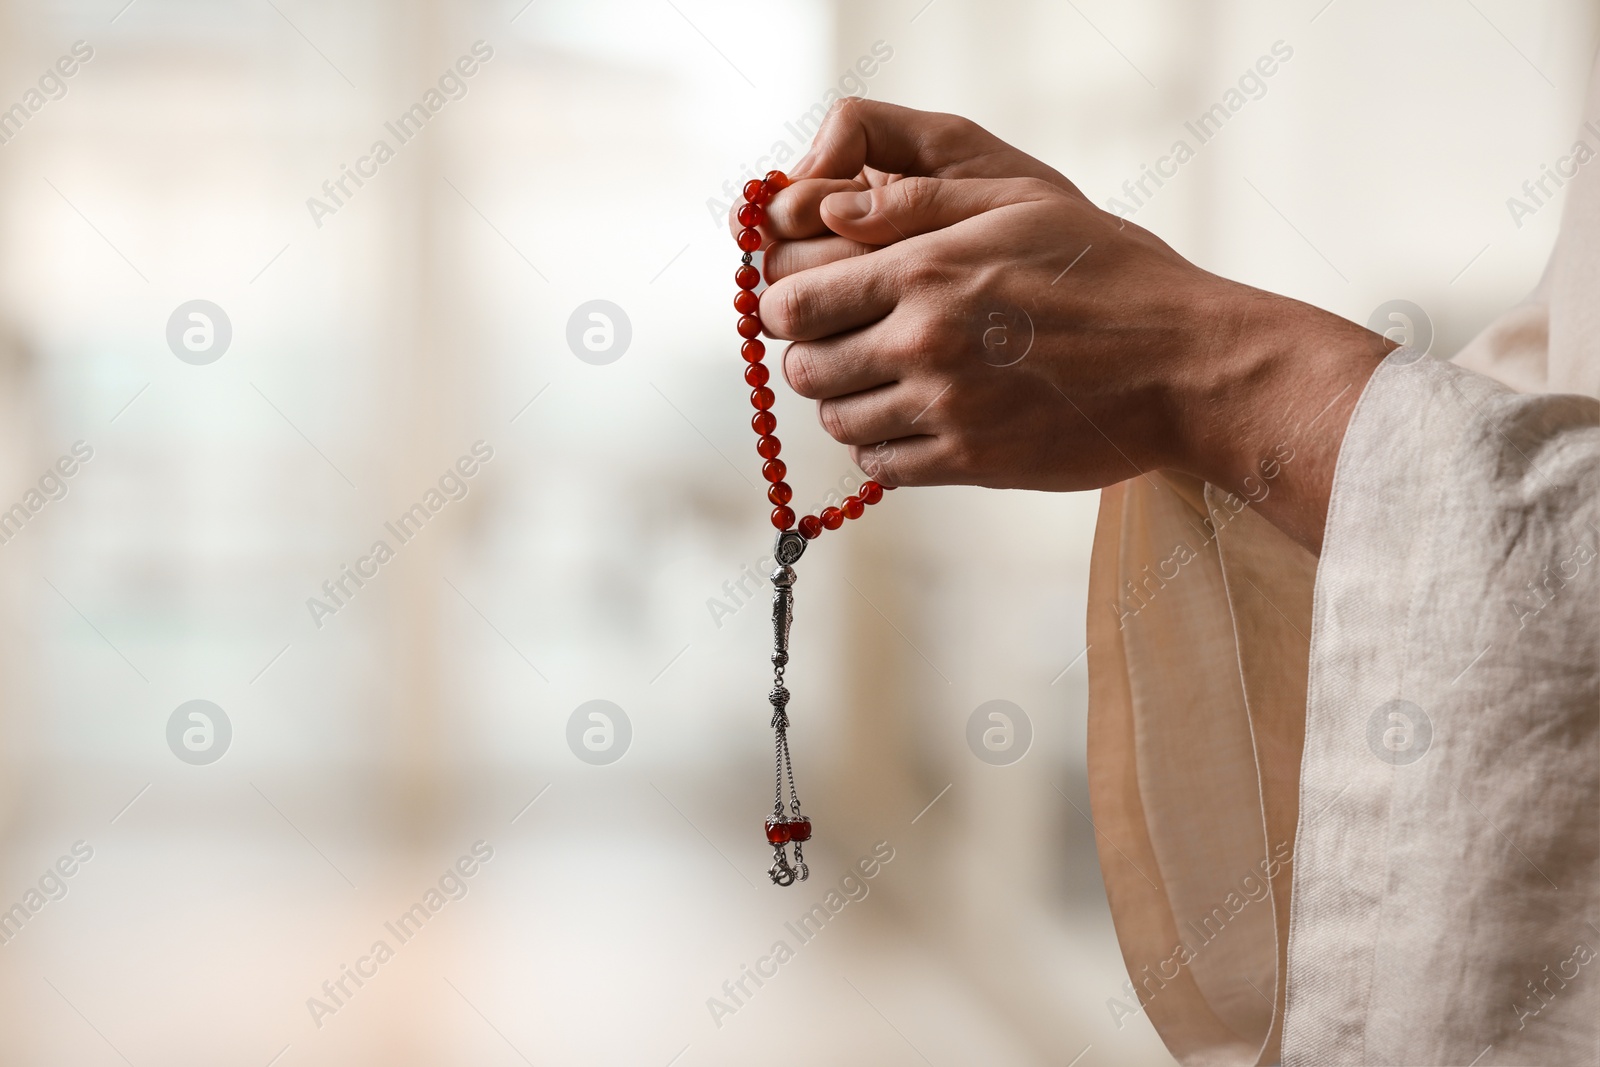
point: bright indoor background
(429, 313)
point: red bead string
(752, 213)
(785, 827)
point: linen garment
(1404, 734)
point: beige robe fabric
(1415, 723)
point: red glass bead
(755, 191)
(749, 326)
(852, 507)
(752, 351)
(749, 240)
(768, 446)
(782, 517)
(756, 374)
(763, 422)
(752, 215)
(773, 470)
(780, 493)
(747, 277)
(871, 492)
(799, 830)
(810, 527)
(776, 180)
(745, 302)
(777, 832)
(832, 518)
(761, 397)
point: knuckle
(912, 271)
(880, 462)
(917, 272)
(846, 106)
(784, 216)
(957, 460)
(776, 264)
(862, 457)
(832, 420)
(947, 134)
(777, 218)
(961, 126)
(911, 195)
(800, 370)
(844, 111)
(941, 404)
(784, 308)
(1036, 189)
(921, 338)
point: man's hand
(866, 145)
(961, 324)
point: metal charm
(788, 549)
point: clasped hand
(963, 314)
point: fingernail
(850, 206)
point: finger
(791, 257)
(793, 212)
(915, 460)
(847, 363)
(861, 133)
(915, 206)
(830, 299)
(881, 414)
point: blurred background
(233, 862)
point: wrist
(1264, 400)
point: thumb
(860, 135)
(913, 206)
